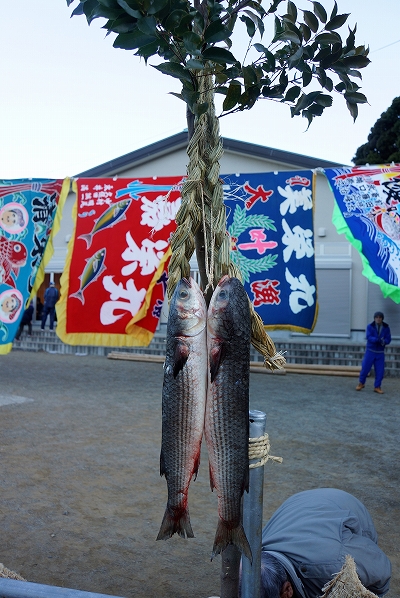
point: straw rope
(8, 574)
(346, 583)
(259, 449)
(203, 209)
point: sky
(70, 101)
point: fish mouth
(187, 282)
(223, 280)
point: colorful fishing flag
(270, 222)
(367, 212)
(114, 281)
(30, 214)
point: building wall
(346, 300)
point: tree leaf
(260, 48)
(292, 94)
(328, 38)
(355, 98)
(147, 25)
(306, 31)
(133, 12)
(353, 109)
(250, 26)
(311, 20)
(192, 43)
(199, 109)
(133, 40)
(174, 70)
(216, 32)
(324, 100)
(336, 22)
(358, 62)
(148, 50)
(195, 65)
(219, 55)
(289, 36)
(233, 96)
(307, 75)
(320, 12)
(292, 10)
(295, 58)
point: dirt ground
(81, 498)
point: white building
(347, 300)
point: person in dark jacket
(306, 541)
(49, 307)
(26, 320)
(378, 336)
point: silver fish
(227, 408)
(183, 403)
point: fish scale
(183, 403)
(227, 408)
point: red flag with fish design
(114, 283)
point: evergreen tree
(383, 145)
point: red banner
(114, 282)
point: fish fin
(78, 295)
(162, 464)
(226, 535)
(217, 355)
(212, 484)
(175, 522)
(196, 466)
(87, 238)
(181, 356)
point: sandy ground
(81, 498)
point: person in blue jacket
(306, 541)
(378, 336)
(49, 307)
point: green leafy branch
(195, 38)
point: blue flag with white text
(270, 222)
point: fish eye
(222, 294)
(183, 294)
(17, 248)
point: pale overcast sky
(70, 101)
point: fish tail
(175, 521)
(88, 238)
(78, 295)
(227, 535)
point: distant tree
(383, 145)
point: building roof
(180, 140)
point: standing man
(378, 336)
(50, 300)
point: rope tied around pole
(259, 449)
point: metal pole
(253, 514)
(11, 588)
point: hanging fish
(183, 403)
(227, 408)
(113, 214)
(94, 267)
(13, 256)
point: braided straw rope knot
(346, 583)
(8, 574)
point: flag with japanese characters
(114, 282)
(367, 212)
(270, 222)
(30, 214)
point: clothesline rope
(259, 449)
